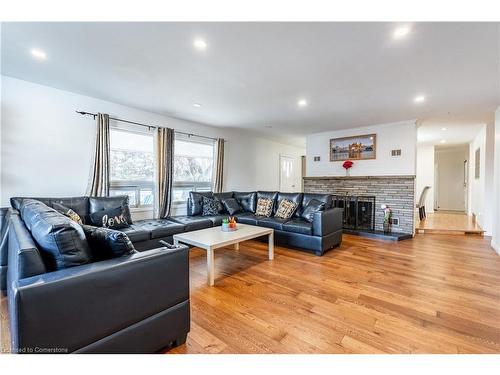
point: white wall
(449, 182)
(425, 175)
(495, 241)
(47, 147)
(400, 135)
(479, 205)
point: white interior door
(287, 174)
(451, 189)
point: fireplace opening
(359, 211)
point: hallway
(449, 223)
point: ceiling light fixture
(197, 105)
(38, 54)
(401, 32)
(444, 129)
(419, 99)
(443, 141)
(302, 103)
(200, 44)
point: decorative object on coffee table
(387, 218)
(347, 165)
(229, 224)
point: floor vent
(396, 152)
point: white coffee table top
(215, 237)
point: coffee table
(214, 238)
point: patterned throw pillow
(264, 207)
(286, 209)
(112, 218)
(67, 212)
(210, 207)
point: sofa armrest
(327, 221)
(74, 307)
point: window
(132, 166)
(193, 166)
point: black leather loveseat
(318, 236)
(135, 303)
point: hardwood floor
(430, 294)
(449, 223)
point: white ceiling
(252, 74)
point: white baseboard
(495, 246)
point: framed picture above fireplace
(358, 147)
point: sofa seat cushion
(247, 218)
(135, 233)
(298, 225)
(193, 222)
(271, 222)
(216, 219)
(159, 228)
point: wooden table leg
(271, 245)
(210, 266)
(176, 242)
(237, 246)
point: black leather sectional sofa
(134, 303)
(324, 233)
(137, 302)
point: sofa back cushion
(311, 208)
(106, 203)
(325, 198)
(294, 197)
(61, 241)
(195, 202)
(78, 204)
(107, 243)
(232, 206)
(247, 200)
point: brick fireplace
(398, 192)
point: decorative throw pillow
(113, 218)
(232, 206)
(313, 206)
(286, 209)
(210, 207)
(67, 212)
(264, 207)
(107, 243)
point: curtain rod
(83, 113)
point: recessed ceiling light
(443, 141)
(419, 99)
(302, 103)
(197, 105)
(401, 32)
(200, 44)
(444, 129)
(38, 54)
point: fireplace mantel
(357, 177)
